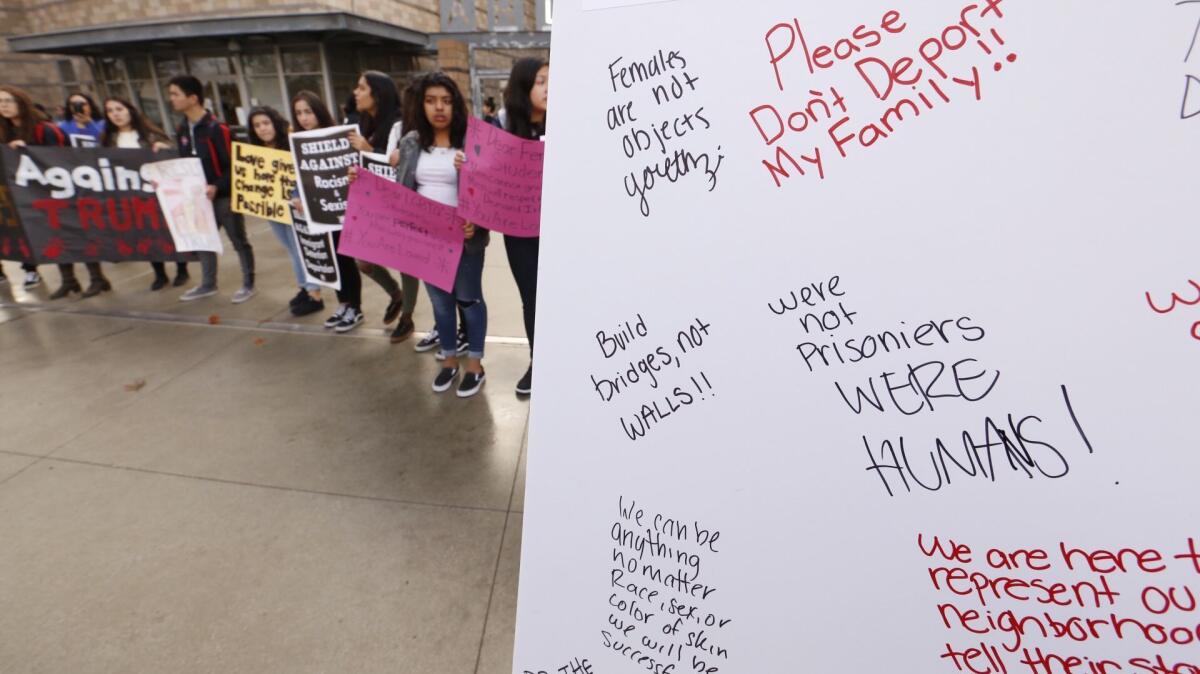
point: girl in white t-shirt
(126, 127)
(430, 158)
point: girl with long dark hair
(23, 124)
(267, 128)
(81, 117)
(308, 113)
(377, 102)
(525, 103)
(430, 157)
(126, 127)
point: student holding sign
(269, 129)
(21, 125)
(203, 135)
(525, 100)
(308, 114)
(430, 158)
(377, 103)
(126, 127)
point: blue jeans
(288, 239)
(468, 294)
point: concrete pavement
(210, 487)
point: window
(66, 72)
(262, 79)
(265, 91)
(146, 99)
(167, 67)
(260, 63)
(137, 67)
(313, 83)
(301, 61)
(302, 71)
(206, 67)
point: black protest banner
(13, 244)
(323, 159)
(85, 205)
(317, 254)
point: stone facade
(49, 77)
(43, 76)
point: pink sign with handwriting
(501, 182)
(393, 226)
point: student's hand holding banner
(393, 226)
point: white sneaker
(350, 320)
(199, 292)
(427, 343)
(243, 294)
(337, 316)
(32, 280)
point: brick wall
(52, 15)
(36, 73)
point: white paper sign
(83, 141)
(896, 360)
(181, 189)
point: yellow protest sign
(263, 180)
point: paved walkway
(215, 488)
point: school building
(260, 52)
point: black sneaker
(428, 343)
(463, 344)
(445, 379)
(470, 384)
(32, 280)
(299, 298)
(337, 316)
(525, 386)
(393, 310)
(350, 320)
(308, 305)
(404, 329)
(181, 279)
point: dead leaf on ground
(259, 341)
(214, 319)
(136, 385)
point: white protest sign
(894, 366)
(181, 189)
(83, 141)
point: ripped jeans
(468, 294)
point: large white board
(866, 410)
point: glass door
(222, 89)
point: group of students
(422, 132)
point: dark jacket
(406, 174)
(48, 134)
(213, 144)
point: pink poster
(501, 182)
(393, 226)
